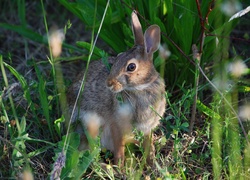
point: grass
(205, 132)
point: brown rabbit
(132, 79)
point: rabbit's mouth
(114, 85)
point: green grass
(202, 134)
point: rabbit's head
(134, 69)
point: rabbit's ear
(137, 30)
(152, 38)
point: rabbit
(129, 95)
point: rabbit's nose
(114, 85)
(110, 82)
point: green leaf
(208, 111)
(23, 125)
(57, 125)
(26, 137)
(87, 46)
(185, 124)
(85, 161)
(39, 151)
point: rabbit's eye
(131, 67)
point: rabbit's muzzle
(114, 85)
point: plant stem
(197, 57)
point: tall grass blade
(9, 96)
(235, 160)
(22, 12)
(25, 87)
(217, 133)
(43, 97)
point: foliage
(32, 128)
